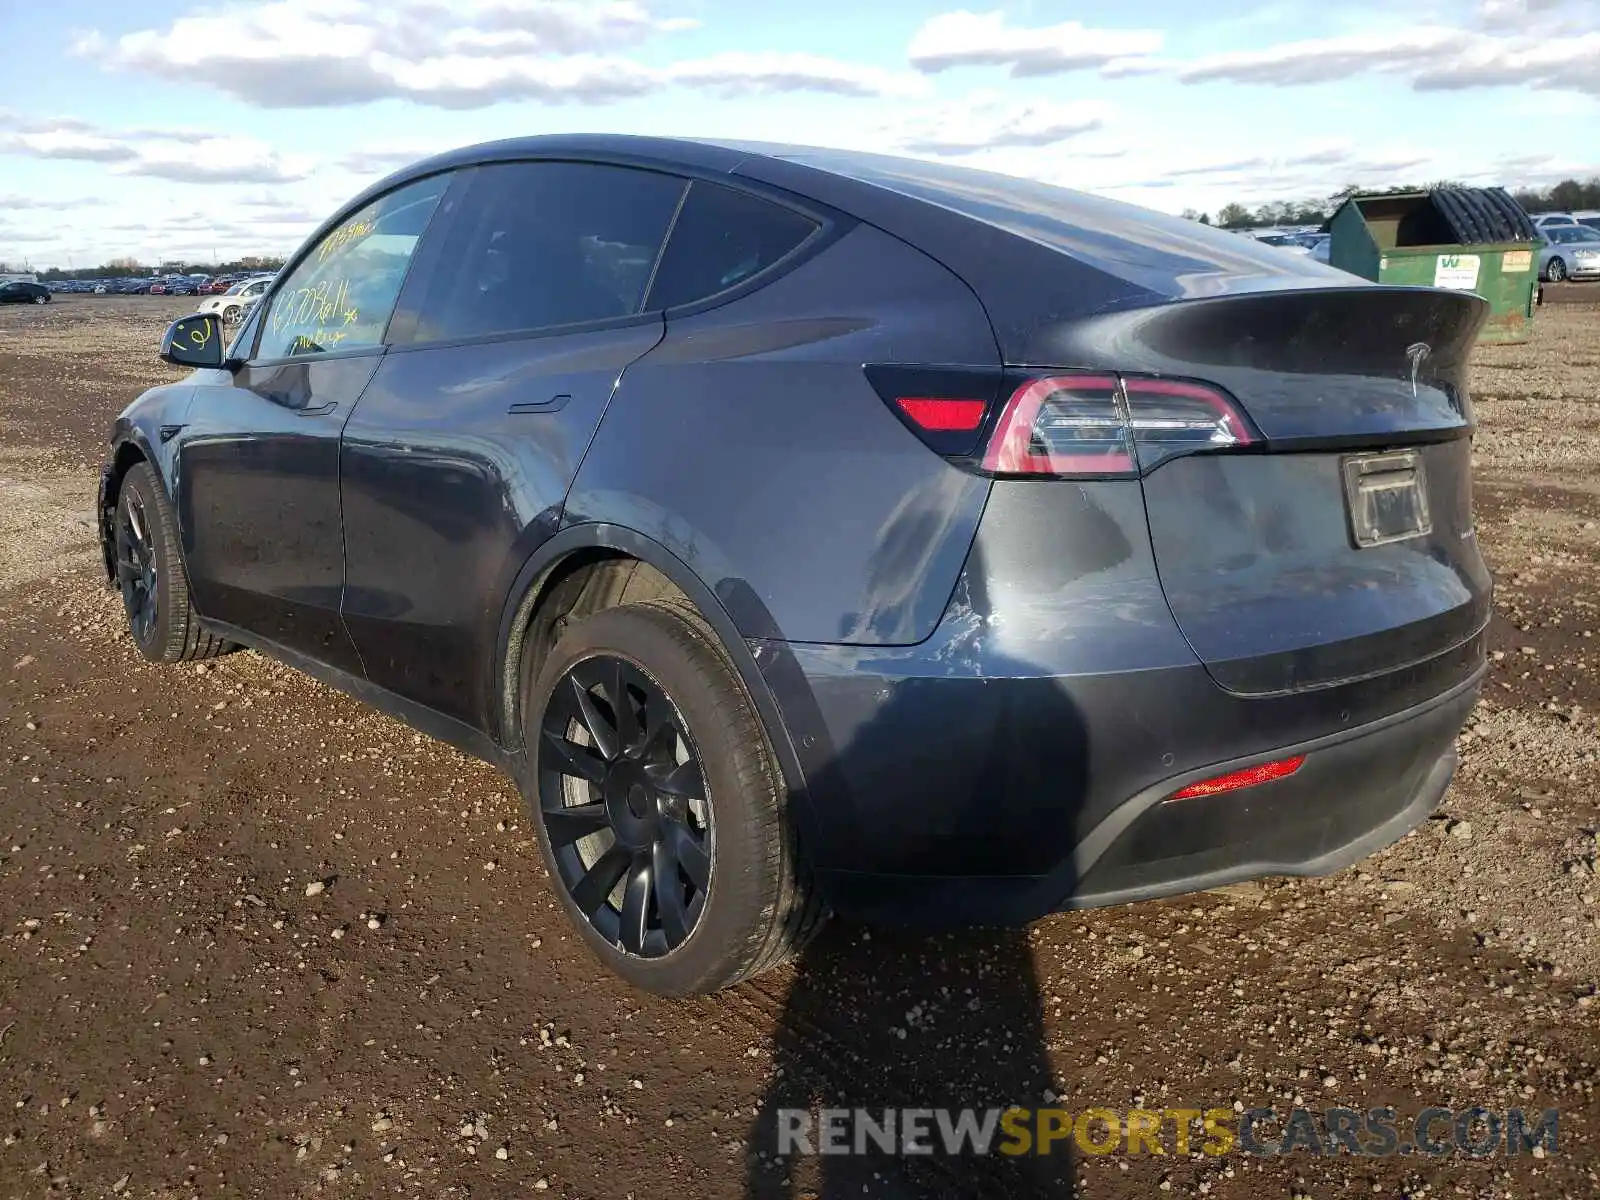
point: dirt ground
(178, 1017)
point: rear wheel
(155, 591)
(1557, 270)
(659, 807)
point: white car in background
(233, 303)
(1550, 220)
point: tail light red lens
(1234, 780)
(1062, 426)
(943, 414)
(1099, 425)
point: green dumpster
(1472, 239)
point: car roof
(990, 229)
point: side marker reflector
(1234, 780)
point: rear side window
(543, 244)
(722, 238)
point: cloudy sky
(167, 129)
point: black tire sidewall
(165, 642)
(737, 768)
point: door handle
(554, 404)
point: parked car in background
(1569, 252)
(15, 291)
(569, 473)
(180, 285)
(231, 305)
(1589, 217)
(1550, 220)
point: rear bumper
(1014, 763)
(1357, 792)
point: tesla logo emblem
(1417, 353)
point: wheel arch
(128, 451)
(559, 571)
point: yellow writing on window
(341, 237)
(316, 341)
(319, 303)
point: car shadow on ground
(886, 1019)
(892, 1019)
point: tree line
(1565, 196)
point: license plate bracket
(1386, 497)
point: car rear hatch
(1334, 541)
(1302, 437)
(1304, 458)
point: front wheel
(41, 299)
(150, 576)
(1557, 270)
(659, 807)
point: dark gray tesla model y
(808, 531)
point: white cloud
(1552, 47)
(383, 157)
(182, 155)
(18, 203)
(1316, 60)
(967, 39)
(987, 122)
(309, 53)
(741, 73)
(1517, 14)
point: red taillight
(1234, 780)
(942, 414)
(1068, 425)
(1062, 426)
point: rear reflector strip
(1234, 780)
(939, 414)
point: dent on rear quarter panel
(751, 445)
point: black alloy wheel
(624, 804)
(136, 566)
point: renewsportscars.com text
(1373, 1132)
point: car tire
(151, 577)
(678, 782)
(41, 299)
(230, 314)
(1556, 271)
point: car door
(257, 467)
(503, 357)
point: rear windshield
(1149, 248)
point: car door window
(340, 295)
(722, 238)
(543, 244)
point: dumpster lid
(1475, 216)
